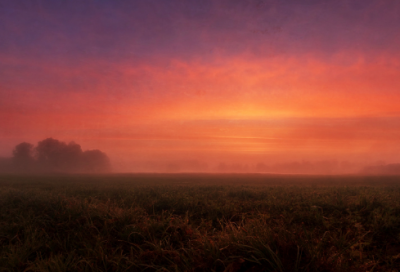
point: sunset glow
(196, 85)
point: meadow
(204, 222)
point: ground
(207, 222)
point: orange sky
(212, 83)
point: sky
(185, 85)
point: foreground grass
(199, 223)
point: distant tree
(51, 155)
(95, 161)
(72, 157)
(23, 159)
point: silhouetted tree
(23, 159)
(51, 155)
(95, 161)
(72, 157)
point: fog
(54, 156)
(323, 167)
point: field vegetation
(190, 222)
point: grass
(199, 223)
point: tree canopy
(52, 155)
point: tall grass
(199, 223)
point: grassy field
(199, 223)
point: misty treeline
(324, 167)
(293, 167)
(51, 155)
(385, 169)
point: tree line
(51, 155)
